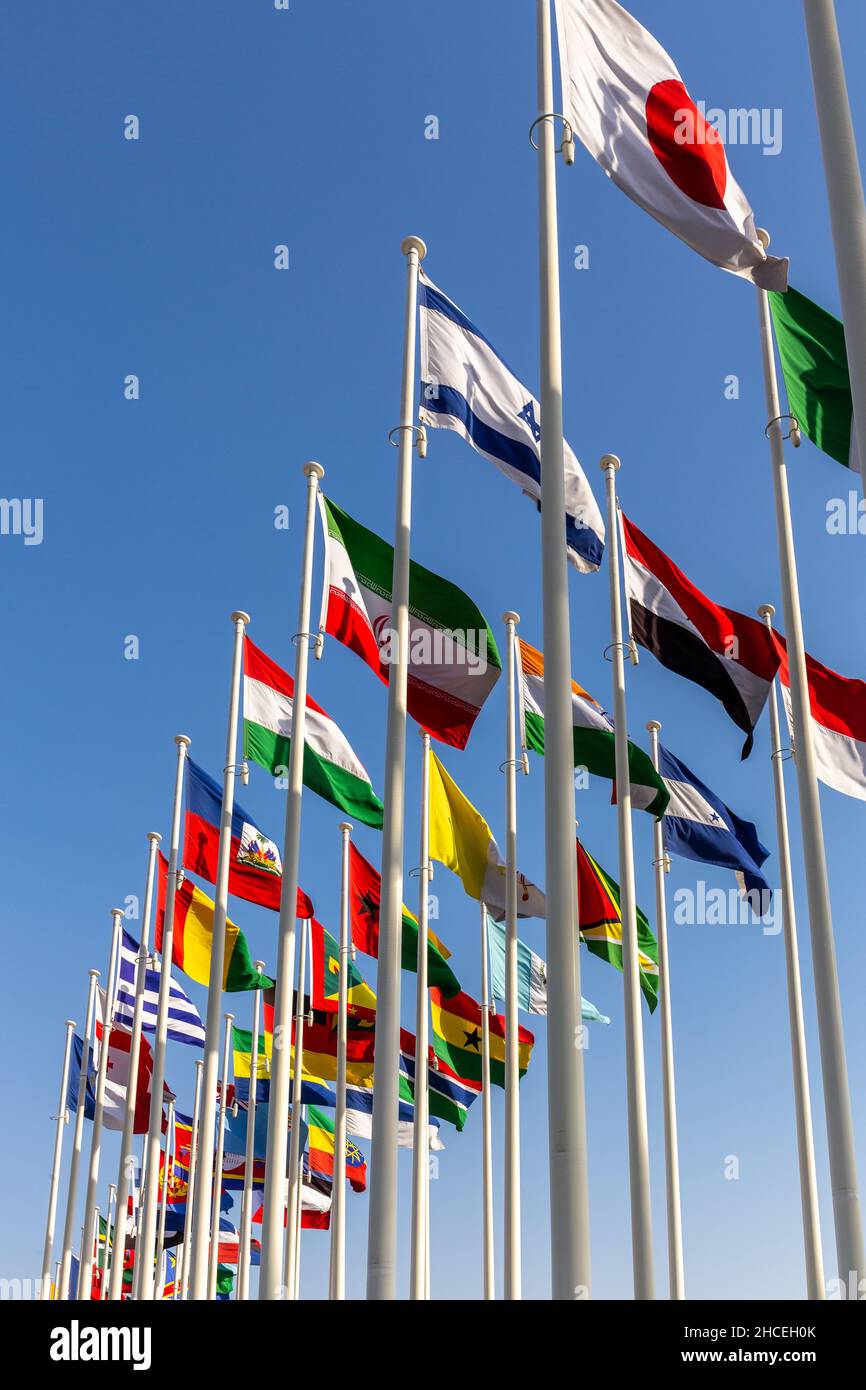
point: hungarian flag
(450, 1095)
(192, 938)
(592, 732)
(815, 367)
(365, 896)
(453, 659)
(326, 966)
(838, 706)
(331, 768)
(731, 655)
(457, 1038)
(601, 924)
(626, 102)
(255, 865)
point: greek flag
(466, 386)
(184, 1023)
(697, 825)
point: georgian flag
(627, 104)
(697, 825)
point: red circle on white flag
(689, 150)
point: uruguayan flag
(466, 386)
(184, 1023)
(697, 825)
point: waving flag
(697, 825)
(601, 924)
(815, 367)
(838, 708)
(192, 938)
(531, 976)
(450, 1095)
(627, 104)
(322, 1151)
(456, 1027)
(466, 387)
(325, 973)
(365, 896)
(184, 1022)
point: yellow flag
(460, 837)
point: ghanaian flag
(457, 1038)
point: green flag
(815, 366)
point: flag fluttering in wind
(731, 655)
(325, 973)
(331, 767)
(601, 924)
(466, 387)
(193, 938)
(314, 1091)
(365, 896)
(626, 102)
(531, 976)
(184, 1021)
(453, 660)
(359, 1116)
(838, 707)
(592, 731)
(815, 367)
(450, 1095)
(322, 1151)
(456, 1027)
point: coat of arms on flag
(258, 851)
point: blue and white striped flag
(184, 1023)
(466, 386)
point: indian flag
(331, 768)
(592, 732)
(453, 659)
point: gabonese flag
(627, 104)
(731, 655)
(838, 723)
(331, 768)
(453, 659)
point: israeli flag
(697, 825)
(184, 1020)
(466, 386)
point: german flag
(601, 924)
(457, 1038)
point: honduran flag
(732, 656)
(255, 866)
(697, 825)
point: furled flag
(838, 705)
(601, 924)
(531, 976)
(592, 733)
(255, 866)
(184, 1022)
(729, 654)
(466, 387)
(453, 660)
(815, 367)
(460, 839)
(626, 102)
(322, 1151)
(193, 936)
(325, 973)
(450, 1095)
(170, 1273)
(456, 1025)
(331, 767)
(365, 896)
(697, 825)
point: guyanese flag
(365, 896)
(457, 1038)
(601, 924)
(193, 935)
(361, 1001)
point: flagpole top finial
(763, 237)
(766, 610)
(154, 836)
(117, 912)
(511, 617)
(70, 1023)
(229, 1018)
(346, 827)
(259, 965)
(239, 616)
(94, 974)
(314, 470)
(182, 740)
(610, 461)
(414, 243)
(653, 726)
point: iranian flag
(331, 768)
(453, 659)
(626, 102)
(815, 367)
(838, 707)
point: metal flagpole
(295, 1135)
(250, 1156)
(337, 1271)
(111, 1224)
(146, 1236)
(201, 1234)
(382, 1227)
(802, 1100)
(487, 1121)
(661, 865)
(126, 1163)
(569, 1175)
(99, 1103)
(273, 1213)
(421, 1144)
(137, 1262)
(834, 1069)
(167, 1166)
(61, 1290)
(638, 1137)
(94, 1249)
(299, 1217)
(61, 1121)
(512, 1056)
(213, 1252)
(845, 195)
(190, 1189)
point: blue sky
(155, 257)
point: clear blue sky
(155, 257)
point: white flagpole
(487, 1122)
(802, 1101)
(566, 1105)
(661, 865)
(146, 1236)
(834, 1068)
(61, 1290)
(167, 1164)
(201, 1234)
(337, 1271)
(299, 1217)
(126, 1163)
(845, 196)
(638, 1136)
(273, 1213)
(216, 1194)
(382, 1224)
(512, 1056)
(102, 1073)
(110, 1222)
(250, 1156)
(94, 1247)
(190, 1191)
(421, 1143)
(294, 1171)
(61, 1121)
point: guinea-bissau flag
(815, 367)
(365, 896)
(361, 1001)
(601, 923)
(457, 1031)
(255, 865)
(331, 768)
(450, 1095)
(322, 1150)
(193, 936)
(453, 659)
